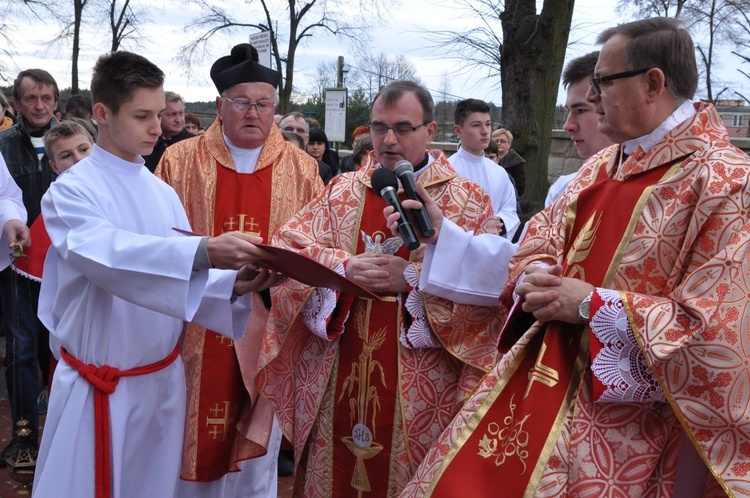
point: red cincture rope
(104, 379)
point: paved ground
(9, 488)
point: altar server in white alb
(119, 282)
(472, 118)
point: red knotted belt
(104, 379)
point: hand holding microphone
(385, 185)
(405, 172)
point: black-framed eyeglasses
(400, 130)
(596, 83)
(243, 105)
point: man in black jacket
(172, 128)
(36, 94)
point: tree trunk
(77, 16)
(532, 56)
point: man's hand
(433, 211)
(378, 272)
(19, 235)
(233, 250)
(550, 296)
(251, 278)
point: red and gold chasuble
(367, 381)
(511, 436)
(217, 199)
(222, 391)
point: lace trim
(318, 309)
(419, 335)
(620, 365)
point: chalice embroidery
(363, 399)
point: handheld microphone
(405, 172)
(384, 184)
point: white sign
(262, 43)
(336, 114)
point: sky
(404, 33)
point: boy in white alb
(119, 282)
(472, 118)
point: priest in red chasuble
(627, 372)
(240, 175)
(362, 387)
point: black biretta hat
(242, 66)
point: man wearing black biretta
(241, 175)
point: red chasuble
(511, 437)
(367, 382)
(222, 391)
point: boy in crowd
(120, 283)
(472, 118)
(64, 145)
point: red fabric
(104, 379)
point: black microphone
(405, 172)
(384, 184)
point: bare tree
(372, 72)
(124, 22)
(17, 12)
(526, 50)
(293, 20)
(651, 8)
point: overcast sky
(403, 34)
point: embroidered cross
(220, 421)
(230, 225)
(707, 385)
(732, 180)
(648, 279)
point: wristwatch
(584, 308)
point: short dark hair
(65, 129)
(38, 76)
(394, 91)
(118, 74)
(580, 69)
(78, 106)
(466, 107)
(660, 42)
(492, 147)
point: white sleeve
(146, 270)
(11, 208)
(216, 310)
(465, 268)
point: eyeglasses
(400, 130)
(299, 130)
(502, 141)
(243, 105)
(596, 83)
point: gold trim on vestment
(557, 427)
(475, 419)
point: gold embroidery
(510, 439)
(581, 248)
(221, 420)
(224, 340)
(362, 443)
(542, 373)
